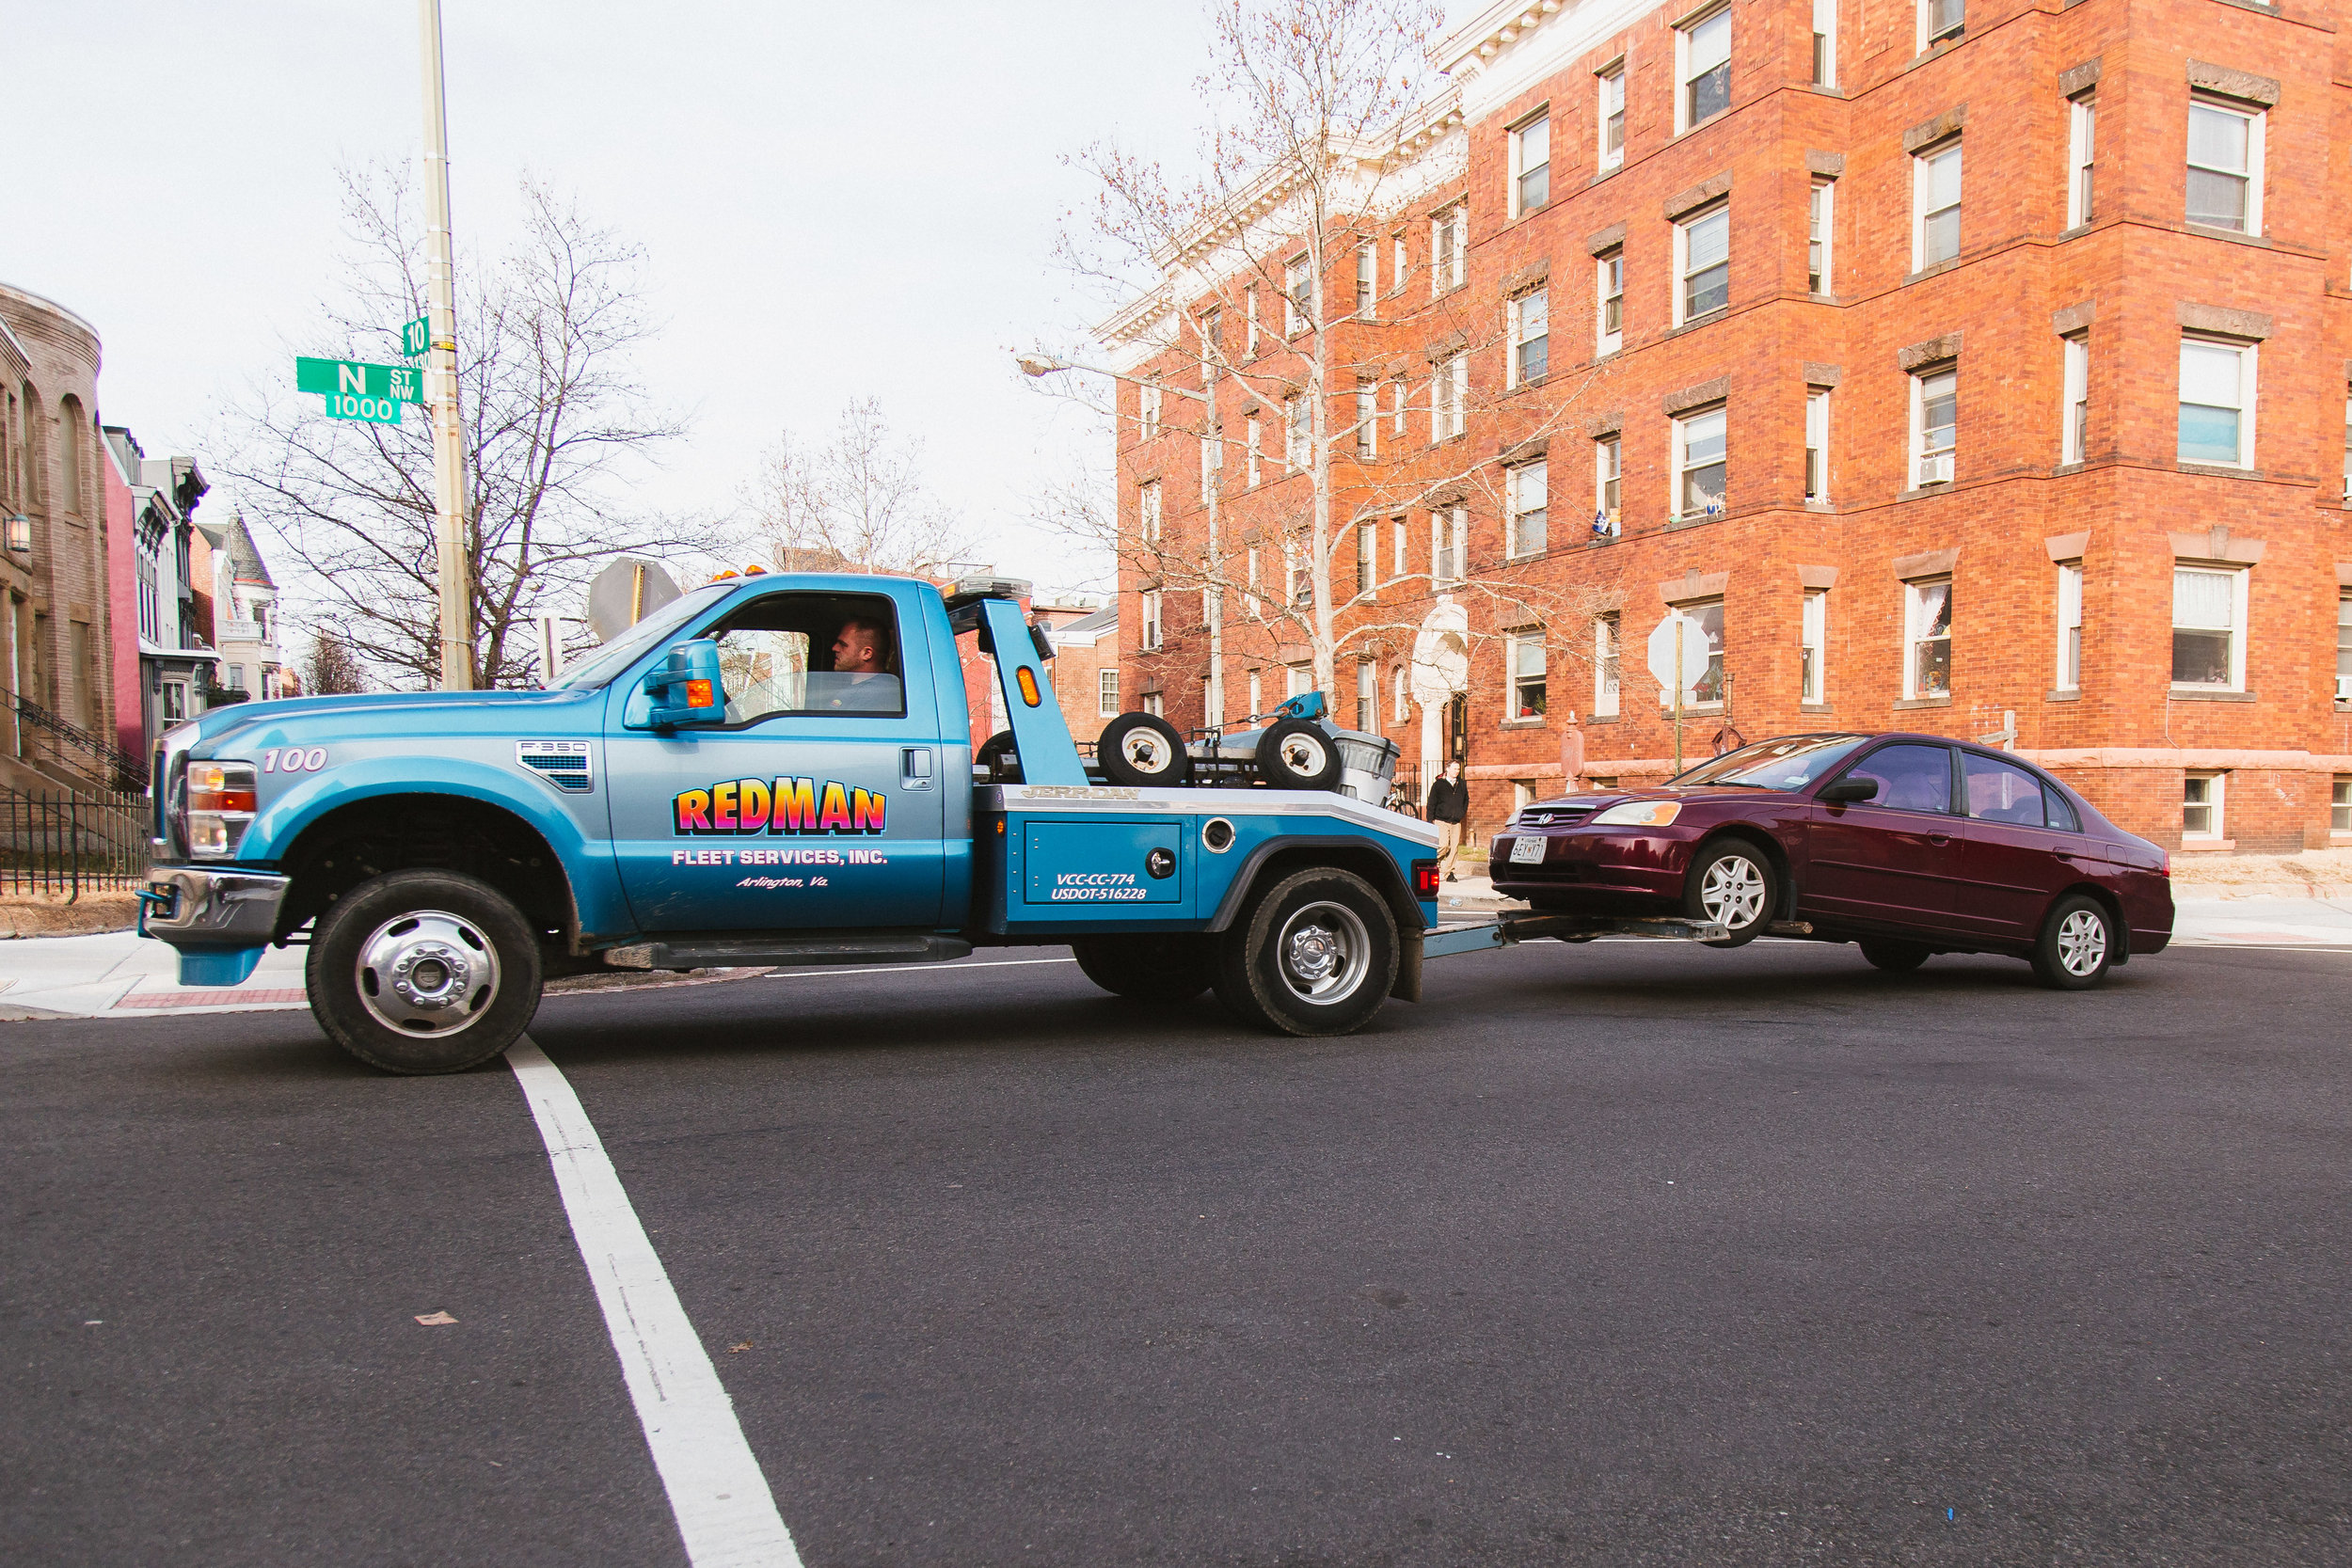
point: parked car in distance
(1910, 844)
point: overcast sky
(837, 201)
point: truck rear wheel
(1148, 967)
(420, 972)
(1315, 955)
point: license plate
(1528, 851)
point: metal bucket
(1367, 763)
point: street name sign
(416, 336)
(355, 390)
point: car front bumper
(1610, 863)
(202, 906)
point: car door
(815, 804)
(2015, 862)
(1892, 860)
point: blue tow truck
(720, 786)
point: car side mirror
(1849, 790)
(686, 688)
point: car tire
(1143, 751)
(423, 971)
(1896, 957)
(1315, 953)
(2077, 944)
(1733, 882)
(998, 757)
(1146, 967)
(1298, 754)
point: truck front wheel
(421, 972)
(1315, 955)
(1148, 967)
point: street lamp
(1035, 365)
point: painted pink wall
(122, 595)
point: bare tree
(553, 417)
(855, 503)
(1320, 152)
(330, 669)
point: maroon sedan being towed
(1910, 844)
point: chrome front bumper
(195, 905)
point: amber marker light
(1026, 678)
(698, 694)
(220, 786)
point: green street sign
(349, 378)
(416, 336)
(351, 405)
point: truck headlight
(221, 798)
(1639, 814)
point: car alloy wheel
(2077, 945)
(1732, 892)
(2082, 943)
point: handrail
(132, 770)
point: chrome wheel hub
(1324, 953)
(428, 973)
(2082, 943)
(1732, 892)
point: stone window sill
(1820, 298)
(1694, 130)
(1814, 707)
(2065, 468)
(2205, 694)
(2207, 230)
(1819, 506)
(1592, 718)
(2074, 233)
(1615, 168)
(2220, 470)
(2073, 696)
(1695, 322)
(2207, 845)
(1665, 710)
(1905, 703)
(1533, 381)
(1926, 490)
(1933, 269)
(1521, 724)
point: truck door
(816, 803)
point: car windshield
(617, 654)
(1791, 763)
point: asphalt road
(1630, 1253)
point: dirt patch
(87, 916)
(2313, 874)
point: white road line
(908, 969)
(726, 1514)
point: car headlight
(1639, 814)
(221, 798)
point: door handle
(1939, 840)
(914, 767)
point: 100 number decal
(294, 759)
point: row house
(1963, 365)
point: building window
(1212, 343)
(1106, 694)
(1936, 206)
(1151, 619)
(1450, 398)
(1941, 18)
(1367, 695)
(1524, 653)
(2208, 621)
(2217, 403)
(1928, 639)
(1824, 43)
(1367, 419)
(1153, 703)
(1367, 556)
(1399, 705)
(1367, 280)
(236, 676)
(1295, 586)
(71, 436)
(1812, 647)
(1298, 680)
(1249, 301)
(2082, 160)
(1449, 251)
(2340, 806)
(1253, 456)
(1147, 513)
(1609, 293)
(1530, 501)
(2347, 445)
(1704, 49)
(175, 701)
(2344, 647)
(1296, 434)
(1257, 696)
(1211, 460)
(1148, 410)
(1400, 263)
(1402, 563)
(2069, 625)
(1605, 652)
(1699, 464)
(1708, 613)
(1530, 337)
(1820, 225)
(2225, 161)
(1612, 116)
(2201, 805)
(1934, 426)
(1608, 473)
(1703, 254)
(1299, 297)
(1397, 406)
(1449, 544)
(1531, 165)
(1816, 444)
(2074, 426)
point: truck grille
(565, 763)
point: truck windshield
(617, 654)
(1791, 762)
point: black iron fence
(60, 845)
(76, 749)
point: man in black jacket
(1449, 803)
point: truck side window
(811, 653)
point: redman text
(785, 806)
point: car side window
(810, 654)
(2062, 814)
(1911, 776)
(2001, 791)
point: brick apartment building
(1965, 366)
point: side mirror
(1849, 790)
(686, 689)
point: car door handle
(1939, 840)
(914, 767)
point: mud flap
(1408, 987)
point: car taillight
(1424, 879)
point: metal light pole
(440, 372)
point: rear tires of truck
(421, 972)
(1148, 967)
(1315, 953)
